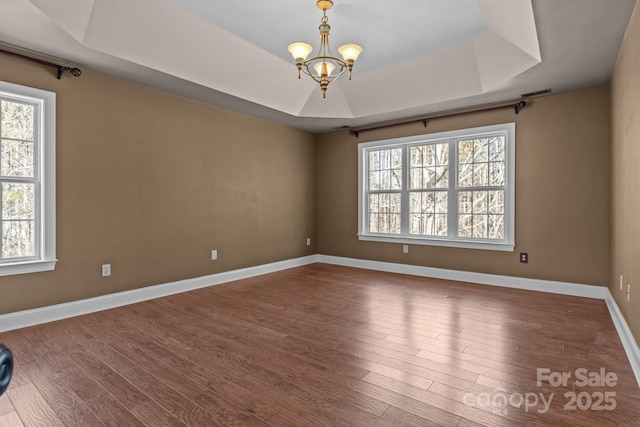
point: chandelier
(324, 67)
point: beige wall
(562, 193)
(625, 205)
(151, 182)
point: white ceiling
(420, 56)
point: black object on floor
(6, 368)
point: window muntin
(27, 179)
(449, 189)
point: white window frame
(45, 177)
(506, 244)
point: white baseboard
(23, 319)
(624, 332)
(563, 288)
(37, 316)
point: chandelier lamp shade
(324, 68)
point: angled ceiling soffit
(160, 35)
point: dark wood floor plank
(69, 408)
(438, 401)
(185, 409)
(11, 419)
(400, 418)
(304, 405)
(319, 345)
(69, 375)
(5, 405)
(272, 360)
(32, 407)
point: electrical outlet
(106, 270)
(214, 254)
(308, 241)
(621, 283)
(405, 249)
(628, 292)
(524, 257)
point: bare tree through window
(17, 189)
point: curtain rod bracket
(75, 72)
(424, 122)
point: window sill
(25, 267)
(464, 244)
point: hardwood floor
(324, 345)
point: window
(447, 189)
(27, 180)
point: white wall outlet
(405, 249)
(621, 281)
(214, 254)
(106, 270)
(308, 241)
(628, 292)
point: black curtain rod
(517, 106)
(61, 68)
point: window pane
(480, 150)
(374, 180)
(374, 160)
(496, 226)
(480, 175)
(465, 175)
(16, 121)
(416, 175)
(16, 158)
(416, 155)
(18, 239)
(385, 169)
(496, 202)
(496, 174)
(441, 225)
(384, 213)
(442, 153)
(428, 213)
(481, 214)
(442, 202)
(465, 199)
(442, 177)
(429, 166)
(385, 180)
(480, 226)
(465, 225)
(482, 162)
(496, 148)
(480, 202)
(18, 201)
(465, 152)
